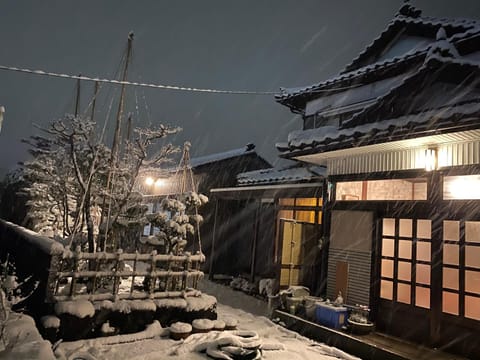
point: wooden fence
(65, 275)
(115, 276)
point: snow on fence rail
(65, 275)
(116, 276)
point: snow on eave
(287, 174)
(197, 162)
(208, 159)
(44, 243)
(313, 137)
(328, 85)
(429, 60)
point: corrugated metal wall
(450, 154)
(359, 265)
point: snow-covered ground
(157, 345)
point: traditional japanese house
(210, 171)
(280, 224)
(399, 132)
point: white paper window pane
(403, 293)
(404, 271)
(472, 256)
(451, 230)
(388, 247)
(423, 274)
(423, 251)
(472, 281)
(405, 249)
(472, 307)
(389, 227)
(386, 289)
(472, 231)
(387, 268)
(422, 297)
(406, 228)
(450, 254)
(450, 303)
(424, 229)
(450, 278)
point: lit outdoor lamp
(149, 181)
(431, 159)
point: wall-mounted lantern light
(431, 159)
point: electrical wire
(149, 85)
(159, 86)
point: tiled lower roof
(290, 174)
(451, 118)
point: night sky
(236, 45)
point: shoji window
(406, 261)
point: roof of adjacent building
(288, 174)
(248, 149)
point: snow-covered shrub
(177, 220)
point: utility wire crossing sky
(157, 86)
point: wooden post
(151, 282)
(134, 271)
(254, 243)
(214, 234)
(52, 281)
(435, 194)
(77, 99)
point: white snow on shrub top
(202, 324)
(127, 306)
(50, 321)
(105, 304)
(180, 328)
(202, 302)
(79, 308)
(172, 303)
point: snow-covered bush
(177, 220)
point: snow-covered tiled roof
(329, 137)
(208, 159)
(461, 26)
(461, 29)
(290, 174)
(362, 128)
(329, 83)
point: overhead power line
(120, 82)
(161, 86)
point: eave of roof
(291, 174)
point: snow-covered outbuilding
(281, 230)
(209, 171)
(399, 133)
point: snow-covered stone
(79, 308)
(202, 324)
